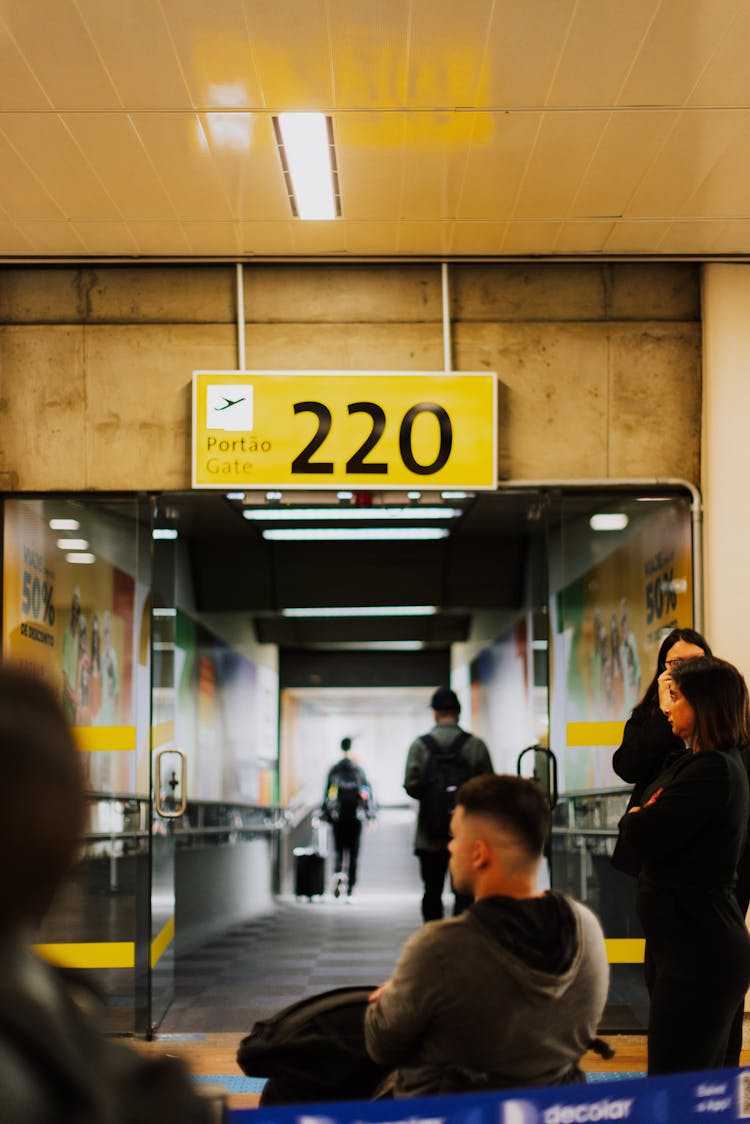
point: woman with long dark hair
(689, 833)
(648, 743)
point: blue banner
(718, 1096)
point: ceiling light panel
(354, 514)
(305, 142)
(354, 534)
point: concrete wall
(599, 365)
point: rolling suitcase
(309, 872)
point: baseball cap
(445, 699)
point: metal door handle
(169, 777)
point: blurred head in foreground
(42, 807)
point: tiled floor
(305, 947)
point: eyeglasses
(673, 663)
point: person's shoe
(339, 883)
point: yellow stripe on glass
(97, 954)
(625, 950)
(160, 944)
(105, 739)
(594, 733)
(162, 734)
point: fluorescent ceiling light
(236, 496)
(369, 514)
(64, 524)
(374, 645)
(609, 521)
(454, 495)
(164, 533)
(306, 149)
(72, 544)
(352, 534)
(364, 611)
(164, 612)
(80, 559)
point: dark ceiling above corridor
(481, 565)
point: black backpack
(345, 804)
(314, 1050)
(444, 773)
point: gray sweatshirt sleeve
(395, 1023)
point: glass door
(620, 578)
(168, 780)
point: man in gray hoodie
(509, 993)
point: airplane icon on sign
(229, 402)
(234, 401)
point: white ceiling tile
(291, 49)
(732, 237)
(599, 50)
(19, 88)
(134, 44)
(113, 238)
(684, 36)
(523, 49)
(58, 48)
(446, 45)
(370, 159)
(479, 238)
(212, 237)
(692, 148)
(214, 46)
(245, 164)
(160, 239)
(500, 148)
(13, 240)
(424, 237)
(369, 53)
(371, 237)
(726, 78)
(583, 237)
(51, 238)
(318, 237)
(180, 169)
(564, 147)
(265, 238)
(634, 237)
(22, 194)
(629, 143)
(112, 147)
(723, 191)
(46, 146)
(531, 237)
(689, 237)
(436, 148)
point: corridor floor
(305, 947)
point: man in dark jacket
(472, 760)
(511, 992)
(347, 803)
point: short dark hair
(515, 804)
(42, 804)
(346, 744)
(445, 701)
(718, 694)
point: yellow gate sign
(333, 429)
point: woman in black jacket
(689, 834)
(648, 743)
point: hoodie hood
(541, 934)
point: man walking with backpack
(437, 765)
(347, 802)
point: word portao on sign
(337, 429)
